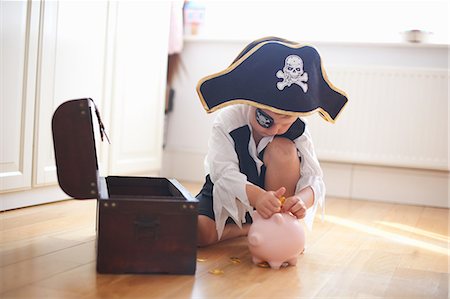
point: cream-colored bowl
(416, 36)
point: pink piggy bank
(276, 240)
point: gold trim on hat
(324, 114)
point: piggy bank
(276, 240)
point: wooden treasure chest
(144, 224)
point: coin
(216, 271)
(263, 265)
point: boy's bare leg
(207, 233)
(282, 165)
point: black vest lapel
(247, 165)
(296, 130)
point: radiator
(394, 117)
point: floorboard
(361, 249)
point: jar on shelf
(194, 17)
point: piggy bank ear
(278, 218)
(254, 239)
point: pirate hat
(275, 74)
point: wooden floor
(362, 250)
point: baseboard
(366, 182)
(36, 196)
(45, 194)
(388, 184)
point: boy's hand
(295, 205)
(269, 202)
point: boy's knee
(280, 150)
(206, 231)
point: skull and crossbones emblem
(292, 73)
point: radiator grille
(395, 117)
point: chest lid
(74, 145)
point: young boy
(260, 150)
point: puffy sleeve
(311, 175)
(229, 192)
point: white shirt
(222, 164)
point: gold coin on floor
(263, 265)
(216, 271)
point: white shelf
(402, 44)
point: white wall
(325, 20)
(189, 126)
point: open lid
(74, 144)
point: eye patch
(263, 119)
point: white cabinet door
(115, 53)
(19, 24)
(138, 87)
(52, 51)
(74, 36)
